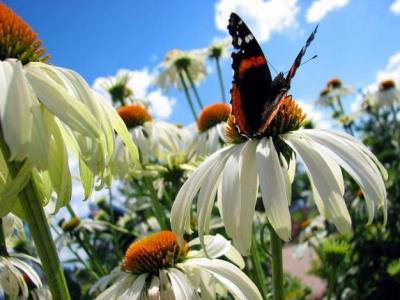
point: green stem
(71, 211)
(221, 81)
(185, 88)
(277, 265)
(36, 219)
(3, 245)
(157, 207)
(331, 285)
(258, 272)
(94, 259)
(193, 86)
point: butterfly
(255, 96)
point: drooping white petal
(181, 286)
(180, 212)
(28, 270)
(231, 192)
(248, 196)
(353, 157)
(326, 178)
(117, 289)
(39, 148)
(273, 188)
(208, 190)
(229, 275)
(135, 290)
(217, 246)
(57, 100)
(16, 100)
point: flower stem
(157, 207)
(193, 86)
(221, 81)
(185, 88)
(36, 219)
(259, 276)
(277, 265)
(3, 246)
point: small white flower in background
(387, 95)
(235, 173)
(155, 139)
(115, 87)
(157, 267)
(219, 48)
(46, 111)
(177, 61)
(211, 126)
(334, 89)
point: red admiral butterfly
(255, 97)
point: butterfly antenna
(303, 63)
(272, 67)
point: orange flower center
(213, 115)
(134, 115)
(154, 252)
(17, 40)
(334, 83)
(386, 85)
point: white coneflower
(45, 110)
(157, 267)
(334, 89)
(387, 95)
(234, 173)
(155, 139)
(211, 126)
(177, 61)
(117, 87)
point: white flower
(211, 125)
(156, 267)
(234, 173)
(333, 90)
(156, 140)
(44, 112)
(12, 272)
(219, 48)
(177, 61)
(387, 95)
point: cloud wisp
(320, 8)
(263, 17)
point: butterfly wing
(251, 79)
(281, 85)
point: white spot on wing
(239, 41)
(248, 38)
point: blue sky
(355, 42)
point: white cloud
(262, 17)
(391, 70)
(320, 119)
(140, 82)
(320, 8)
(160, 105)
(395, 7)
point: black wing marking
(251, 80)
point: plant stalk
(221, 81)
(186, 90)
(157, 207)
(277, 265)
(38, 226)
(193, 86)
(258, 272)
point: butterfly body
(255, 96)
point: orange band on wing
(237, 111)
(250, 62)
